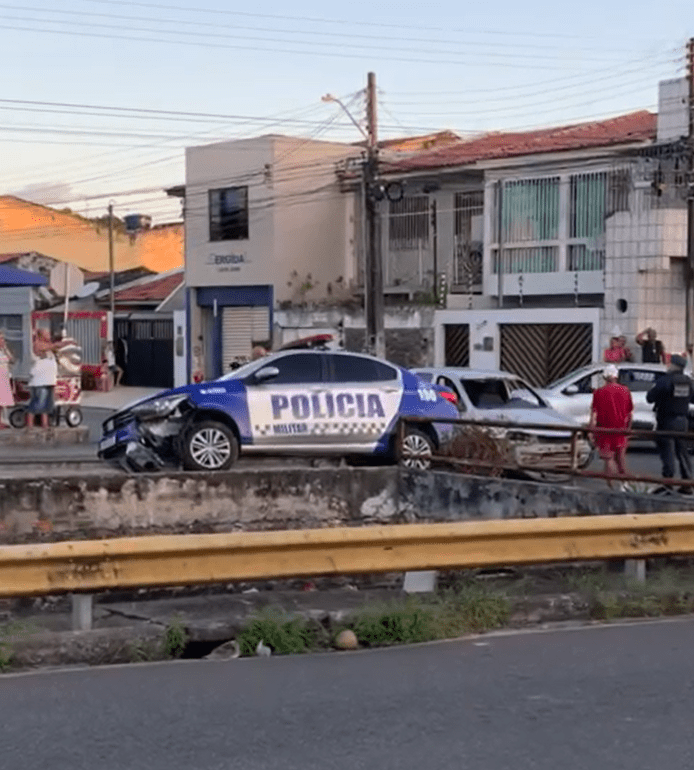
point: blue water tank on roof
(135, 222)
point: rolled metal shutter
(241, 328)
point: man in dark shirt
(652, 350)
(671, 396)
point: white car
(572, 395)
(504, 397)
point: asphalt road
(605, 698)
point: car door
(285, 408)
(365, 396)
(640, 380)
(576, 397)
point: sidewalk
(117, 398)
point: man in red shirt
(612, 408)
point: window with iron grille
(229, 214)
(408, 222)
(529, 225)
(469, 238)
(593, 197)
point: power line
(273, 48)
(305, 32)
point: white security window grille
(529, 226)
(530, 259)
(592, 198)
(408, 223)
(469, 238)
(229, 214)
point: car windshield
(570, 377)
(242, 371)
(498, 393)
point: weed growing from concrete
(6, 656)
(283, 635)
(395, 622)
(175, 638)
(470, 608)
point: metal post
(499, 237)
(435, 253)
(81, 612)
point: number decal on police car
(426, 394)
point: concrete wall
(91, 507)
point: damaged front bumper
(144, 439)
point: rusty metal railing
(576, 433)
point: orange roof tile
(152, 291)
(634, 127)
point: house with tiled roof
(535, 245)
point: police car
(293, 401)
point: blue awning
(10, 276)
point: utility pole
(690, 193)
(110, 262)
(373, 263)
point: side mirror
(266, 373)
(572, 390)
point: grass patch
(465, 609)
(283, 635)
(471, 608)
(175, 638)
(406, 622)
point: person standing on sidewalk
(612, 408)
(6, 396)
(671, 396)
(44, 375)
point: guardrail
(163, 560)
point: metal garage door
(242, 327)
(457, 344)
(544, 352)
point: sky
(100, 97)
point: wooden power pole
(373, 263)
(111, 270)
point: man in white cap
(612, 408)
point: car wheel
(416, 450)
(209, 446)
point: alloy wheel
(210, 448)
(416, 452)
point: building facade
(267, 226)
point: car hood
(543, 416)
(197, 392)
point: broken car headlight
(158, 407)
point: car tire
(209, 446)
(416, 450)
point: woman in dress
(6, 397)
